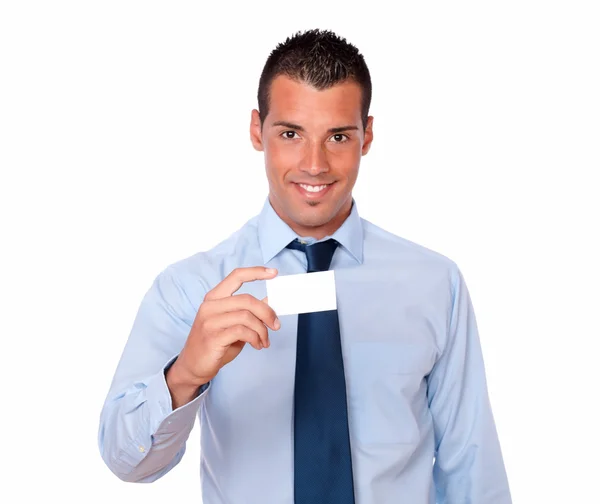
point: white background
(124, 147)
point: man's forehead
(285, 87)
(297, 102)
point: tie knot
(318, 255)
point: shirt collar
(274, 234)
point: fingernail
(276, 324)
(271, 270)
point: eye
(339, 136)
(286, 135)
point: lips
(313, 188)
(313, 191)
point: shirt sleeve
(140, 437)
(468, 467)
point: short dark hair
(320, 58)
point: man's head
(313, 126)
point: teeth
(311, 188)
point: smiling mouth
(312, 192)
(314, 188)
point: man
(383, 400)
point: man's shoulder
(223, 255)
(396, 247)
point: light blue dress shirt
(421, 425)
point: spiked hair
(319, 58)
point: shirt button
(142, 449)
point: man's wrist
(182, 386)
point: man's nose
(315, 161)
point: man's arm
(174, 351)
(141, 436)
(468, 467)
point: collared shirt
(420, 420)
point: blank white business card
(302, 293)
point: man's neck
(317, 232)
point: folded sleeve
(140, 436)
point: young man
(382, 400)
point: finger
(232, 282)
(245, 318)
(248, 302)
(240, 333)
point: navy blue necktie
(322, 462)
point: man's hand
(223, 325)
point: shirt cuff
(162, 418)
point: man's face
(313, 141)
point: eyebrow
(338, 129)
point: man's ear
(368, 136)
(255, 131)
